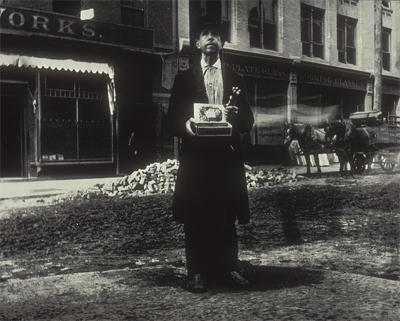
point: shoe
(196, 284)
(238, 279)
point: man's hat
(206, 25)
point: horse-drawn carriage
(384, 136)
(359, 140)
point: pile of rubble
(159, 178)
(262, 178)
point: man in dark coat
(211, 190)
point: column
(291, 114)
(369, 96)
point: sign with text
(27, 22)
(260, 70)
(334, 81)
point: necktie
(210, 81)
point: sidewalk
(49, 187)
(19, 188)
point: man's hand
(230, 112)
(188, 124)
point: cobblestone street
(320, 249)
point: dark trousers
(211, 247)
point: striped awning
(67, 65)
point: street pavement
(323, 249)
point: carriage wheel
(386, 164)
(359, 163)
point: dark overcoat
(211, 179)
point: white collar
(216, 64)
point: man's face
(209, 43)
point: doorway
(12, 133)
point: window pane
(305, 30)
(255, 35)
(254, 17)
(305, 11)
(351, 35)
(306, 49)
(386, 40)
(58, 129)
(386, 61)
(269, 36)
(341, 56)
(317, 31)
(94, 130)
(225, 10)
(268, 10)
(351, 55)
(340, 39)
(318, 14)
(254, 28)
(318, 50)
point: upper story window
(386, 4)
(352, 2)
(217, 12)
(346, 39)
(312, 31)
(386, 44)
(132, 12)
(68, 7)
(386, 8)
(263, 24)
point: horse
(355, 143)
(312, 141)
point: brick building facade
(74, 89)
(303, 60)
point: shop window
(68, 7)
(346, 39)
(386, 35)
(312, 31)
(76, 121)
(217, 12)
(262, 24)
(132, 12)
(268, 101)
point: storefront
(281, 90)
(390, 96)
(325, 95)
(267, 90)
(62, 114)
(64, 85)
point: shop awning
(67, 65)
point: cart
(385, 139)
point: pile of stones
(159, 178)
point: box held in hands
(209, 120)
